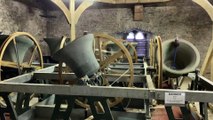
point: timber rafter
(130, 1)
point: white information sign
(175, 98)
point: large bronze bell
(23, 44)
(79, 56)
(54, 44)
(179, 57)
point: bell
(179, 57)
(23, 44)
(54, 44)
(79, 56)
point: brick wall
(17, 17)
(183, 18)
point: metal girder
(197, 96)
(72, 77)
(141, 93)
(18, 84)
(27, 77)
(126, 92)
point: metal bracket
(22, 102)
(105, 114)
(8, 109)
(58, 113)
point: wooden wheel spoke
(22, 65)
(135, 54)
(32, 55)
(9, 64)
(111, 59)
(17, 63)
(100, 50)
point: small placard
(175, 98)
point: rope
(175, 55)
(120, 77)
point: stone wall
(183, 18)
(17, 17)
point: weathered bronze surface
(180, 57)
(79, 56)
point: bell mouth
(181, 59)
(79, 56)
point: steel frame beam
(19, 84)
(97, 91)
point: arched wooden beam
(84, 5)
(72, 25)
(63, 7)
(207, 6)
(160, 61)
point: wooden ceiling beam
(130, 1)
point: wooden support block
(138, 12)
(138, 8)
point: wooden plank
(150, 83)
(130, 1)
(72, 12)
(23, 65)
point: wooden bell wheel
(151, 52)
(100, 39)
(105, 62)
(127, 44)
(133, 52)
(19, 52)
(156, 58)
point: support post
(170, 112)
(72, 12)
(9, 109)
(22, 102)
(58, 113)
(103, 115)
